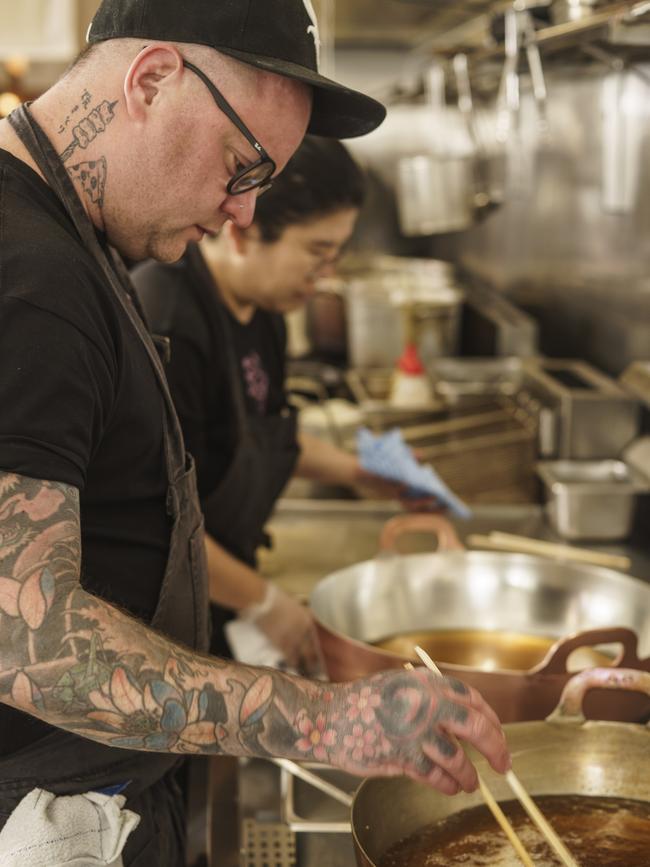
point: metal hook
(520, 32)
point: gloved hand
(373, 487)
(289, 626)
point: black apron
(266, 447)
(62, 762)
(262, 463)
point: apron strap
(42, 151)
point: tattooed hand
(404, 722)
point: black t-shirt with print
(199, 369)
(79, 403)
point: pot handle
(555, 661)
(569, 709)
(418, 523)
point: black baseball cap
(279, 36)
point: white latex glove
(289, 626)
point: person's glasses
(256, 176)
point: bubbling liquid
(599, 832)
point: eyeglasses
(256, 176)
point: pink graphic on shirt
(257, 380)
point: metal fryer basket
(483, 443)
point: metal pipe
(314, 780)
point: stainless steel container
(436, 186)
(434, 194)
(379, 299)
(591, 499)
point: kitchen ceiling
(448, 26)
(411, 22)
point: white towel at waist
(88, 830)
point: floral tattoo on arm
(80, 663)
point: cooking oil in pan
(599, 832)
(487, 650)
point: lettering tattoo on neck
(86, 131)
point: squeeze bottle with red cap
(410, 384)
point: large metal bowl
(576, 604)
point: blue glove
(387, 455)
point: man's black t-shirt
(79, 403)
(200, 368)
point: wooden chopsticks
(506, 827)
(497, 541)
(488, 797)
(524, 798)
(538, 818)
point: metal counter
(312, 538)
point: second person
(222, 308)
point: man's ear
(152, 73)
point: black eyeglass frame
(264, 182)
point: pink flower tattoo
(361, 743)
(363, 704)
(316, 738)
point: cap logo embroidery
(313, 30)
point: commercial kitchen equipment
(479, 431)
(587, 415)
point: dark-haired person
(168, 128)
(222, 309)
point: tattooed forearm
(86, 131)
(80, 663)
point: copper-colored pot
(503, 608)
(563, 755)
